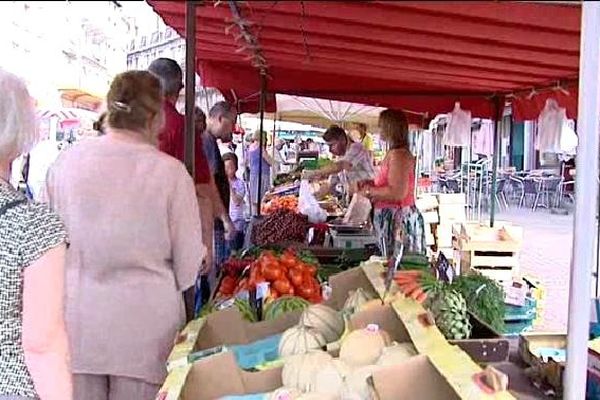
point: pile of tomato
(286, 274)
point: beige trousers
(104, 387)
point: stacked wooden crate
(493, 252)
(440, 213)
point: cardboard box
(444, 235)
(415, 379)
(426, 202)
(452, 213)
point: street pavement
(546, 255)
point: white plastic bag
(359, 210)
(309, 206)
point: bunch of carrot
(409, 282)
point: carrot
(409, 287)
(416, 293)
(422, 297)
(404, 278)
(414, 273)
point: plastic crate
(515, 328)
(527, 312)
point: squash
(324, 319)
(284, 393)
(357, 386)
(356, 299)
(317, 396)
(299, 340)
(299, 371)
(329, 380)
(363, 347)
(397, 354)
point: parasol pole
(263, 89)
(498, 113)
(190, 85)
(586, 200)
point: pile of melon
(309, 372)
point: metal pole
(263, 89)
(586, 199)
(190, 85)
(496, 156)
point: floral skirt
(395, 227)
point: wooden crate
(500, 266)
(502, 275)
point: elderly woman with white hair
(33, 340)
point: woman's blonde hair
(394, 128)
(18, 125)
(134, 102)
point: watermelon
(283, 305)
(245, 309)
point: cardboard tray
(485, 345)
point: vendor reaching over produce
(397, 221)
(354, 164)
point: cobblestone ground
(546, 254)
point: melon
(317, 396)
(363, 347)
(357, 387)
(324, 319)
(397, 354)
(329, 380)
(299, 371)
(244, 308)
(283, 305)
(356, 299)
(284, 393)
(299, 340)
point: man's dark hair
(231, 157)
(334, 133)
(169, 73)
(221, 108)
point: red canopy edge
(420, 56)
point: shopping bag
(309, 206)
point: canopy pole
(190, 85)
(263, 89)
(586, 199)
(496, 156)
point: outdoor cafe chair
(532, 188)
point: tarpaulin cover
(420, 56)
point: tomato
(288, 260)
(228, 285)
(311, 268)
(283, 286)
(296, 277)
(274, 293)
(306, 291)
(273, 272)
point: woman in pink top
(136, 246)
(397, 221)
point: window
(168, 33)
(143, 43)
(154, 37)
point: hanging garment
(483, 139)
(458, 131)
(550, 125)
(568, 138)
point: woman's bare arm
(44, 333)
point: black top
(217, 166)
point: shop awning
(78, 97)
(420, 56)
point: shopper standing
(221, 119)
(33, 339)
(136, 246)
(398, 222)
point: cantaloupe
(299, 340)
(329, 379)
(356, 299)
(363, 347)
(357, 387)
(299, 371)
(284, 393)
(396, 354)
(324, 319)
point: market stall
(480, 55)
